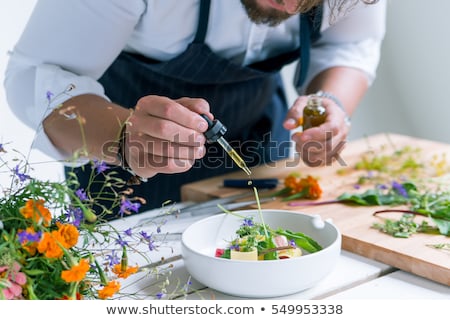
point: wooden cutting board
(412, 254)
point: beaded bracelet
(338, 102)
(123, 160)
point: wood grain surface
(412, 254)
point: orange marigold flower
(314, 189)
(68, 234)
(117, 269)
(292, 180)
(308, 187)
(49, 245)
(77, 272)
(36, 211)
(109, 290)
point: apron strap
(202, 21)
(310, 23)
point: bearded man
(127, 82)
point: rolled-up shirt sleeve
(59, 55)
(353, 40)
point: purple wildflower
(381, 187)
(151, 245)
(81, 194)
(400, 189)
(113, 258)
(126, 206)
(128, 232)
(22, 176)
(248, 222)
(74, 216)
(145, 235)
(292, 243)
(100, 166)
(25, 236)
(49, 96)
(149, 239)
(121, 242)
(160, 295)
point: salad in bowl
(289, 252)
(258, 241)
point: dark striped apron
(249, 100)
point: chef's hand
(319, 146)
(164, 135)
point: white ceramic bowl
(259, 279)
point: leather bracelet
(122, 159)
(328, 95)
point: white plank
(397, 285)
(350, 270)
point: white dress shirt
(70, 44)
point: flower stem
(312, 203)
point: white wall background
(409, 95)
(13, 17)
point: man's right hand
(164, 135)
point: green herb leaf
(301, 240)
(443, 226)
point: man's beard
(258, 15)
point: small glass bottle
(314, 114)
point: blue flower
(234, 247)
(149, 239)
(81, 194)
(145, 235)
(126, 206)
(121, 242)
(113, 258)
(100, 166)
(381, 187)
(49, 96)
(400, 189)
(25, 236)
(74, 216)
(151, 245)
(22, 176)
(248, 222)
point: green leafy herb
(404, 227)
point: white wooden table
(354, 277)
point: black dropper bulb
(215, 131)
